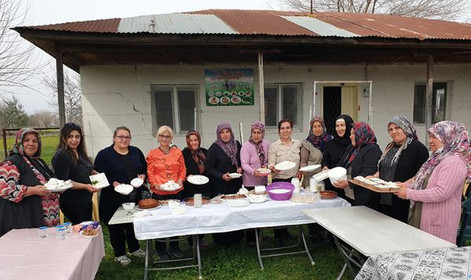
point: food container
(42, 232)
(260, 189)
(295, 182)
(68, 227)
(128, 206)
(337, 174)
(280, 190)
(60, 232)
(198, 200)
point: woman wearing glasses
(164, 164)
(121, 163)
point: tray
(374, 188)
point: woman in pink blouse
(254, 155)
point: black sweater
(219, 163)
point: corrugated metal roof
(250, 22)
(175, 23)
(319, 27)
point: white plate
(99, 181)
(90, 236)
(56, 185)
(321, 176)
(285, 165)
(264, 171)
(137, 182)
(170, 186)
(198, 179)
(257, 198)
(124, 189)
(309, 168)
(235, 175)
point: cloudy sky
(59, 11)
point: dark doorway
(332, 106)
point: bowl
(280, 190)
(260, 189)
(337, 174)
(128, 206)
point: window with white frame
(439, 95)
(174, 106)
(282, 101)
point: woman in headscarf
(335, 148)
(435, 191)
(254, 155)
(195, 160)
(224, 158)
(313, 146)
(25, 202)
(400, 161)
(361, 159)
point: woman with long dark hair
(71, 162)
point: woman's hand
(38, 190)
(256, 174)
(376, 175)
(299, 174)
(325, 168)
(142, 176)
(115, 184)
(94, 172)
(239, 170)
(226, 177)
(402, 193)
(90, 188)
(180, 182)
(341, 184)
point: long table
(217, 218)
(24, 255)
(371, 233)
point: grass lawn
(49, 140)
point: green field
(49, 144)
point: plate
(56, 185)
(198, 179)
(165, 202)
(235, 175)
(137, 182)
(225, 100)
(99, 181)
(170, 186)
(89, 236)
(264, 171)
(236, 99)
(213, 100)
(328, 194)
(285, 165)
(309, 168)
(257, 198)
(124, 189)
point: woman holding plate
(71, 162)
(253, 156)
(25, 202)
(121, 163)
(195, 162)
(165, 165)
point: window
(439, 93)
(174, 106)
(282, 102)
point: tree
(433, 9)
(12, 114)
(44, 118)
(72, 94)
(16, 59)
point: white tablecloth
(24, 255)
(451, 263)
(214, 218)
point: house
(198, 69)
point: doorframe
(315, 96)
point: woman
(195, 160)
(254, 155)
(224, 158)
(165, 164)
(284, 149)
(335, 148)
(25, 202)
(70, 162)
(313, 146)
(121, 163)
(400, 161)
(361, 159)
(435, 191)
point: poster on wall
(229, 87)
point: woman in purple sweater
(435, 191)
(254, 155)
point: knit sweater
(441, 209)
(251, 162)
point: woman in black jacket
(195, 162)
(361, 159)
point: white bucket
(337, 174)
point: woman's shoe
(123, 260)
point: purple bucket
(280, 190)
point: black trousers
(119, 235)
(77, 212)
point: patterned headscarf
(230, 147)
(18, 147)
(455, 140)
(318, 141)
(364, 135)
(258, 145)
(408, 130)
(198, 155)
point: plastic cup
(43, 232)
(197, 200)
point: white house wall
(120, 95)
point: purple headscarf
(230, 147)
(455, 140)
